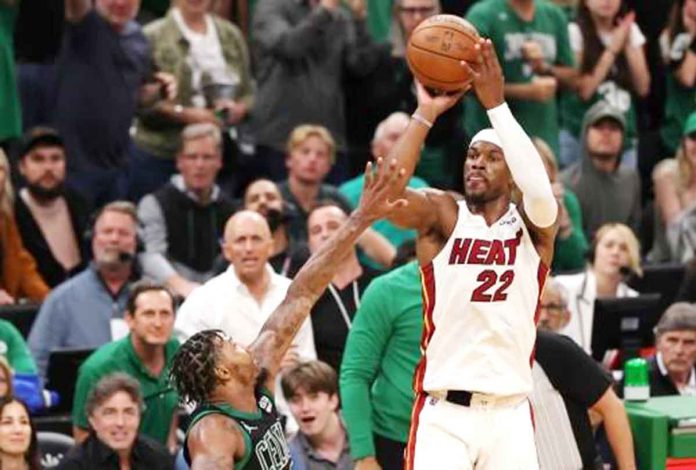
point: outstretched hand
(380, 184)
(489, 83)
(431, 106)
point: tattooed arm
(309, 283)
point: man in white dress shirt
(242, 298)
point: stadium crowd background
(208, 147)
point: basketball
(435, 49)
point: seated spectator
(51, 217)
(608, 46)
(182, 222)
(569, 386)
(381, 354)
(86, 311)
(208, 57)
(673, 369)
(607, 191)
(263, 196)
(145, 355)
(19, 278)
(615, 252)
(534, 51)
(311, 151)
(571, 245)
(386, 135)
(301, 50)
(18, 445)
(311, 389)
(95, 124)
(114, 409)
(678, 44)
(675, 201)
(333, 313)
(240, 300)
(14, 349)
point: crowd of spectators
(177, 161)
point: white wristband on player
(418, 118)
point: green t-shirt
(10, 113)
(15, 349)
(573, 108)
(496, 20)
(679, 104)
(381, 354)
(569, 253)
(161, 400)
(352, 190)
(379, 18)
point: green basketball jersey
(265, 445)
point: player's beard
(275, 219)
(44, 194)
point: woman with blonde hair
(18, 275)
(614, 254)
(675, 199)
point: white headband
(486, 135)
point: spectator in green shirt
(146, 355)
(380, 357)
(14, 348)
(531, 41)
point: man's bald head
(248, 244)
(388, 133)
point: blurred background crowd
(168, 166)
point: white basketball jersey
(480, 304)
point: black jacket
(93, 453)
(35, 242)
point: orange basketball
(435, 49)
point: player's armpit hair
(193, 368)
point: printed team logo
(265, 404)
(272, 450)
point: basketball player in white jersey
(484, 262)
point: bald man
(239, 300)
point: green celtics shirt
(573, 108)
(160, 398)
(265, 446)
(495, 19)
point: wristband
(418, 118)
